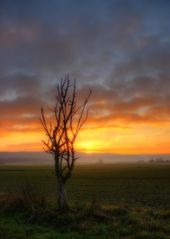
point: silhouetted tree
(62, 131)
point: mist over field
(84, 158)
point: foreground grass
(89, 222)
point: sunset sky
(120, 49)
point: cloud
(119, 49)
(19, 106)
(20, 84)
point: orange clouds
(135, 140)
(116, 124)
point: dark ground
(109, 201)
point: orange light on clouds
(21, 141)
(133, 140)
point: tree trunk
(62, 199)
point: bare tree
(61, 127)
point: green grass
(106, 222)
(109, 201)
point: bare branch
(62, 130)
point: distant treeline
(159, 160)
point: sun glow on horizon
(132, 140)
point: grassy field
(114, 201)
